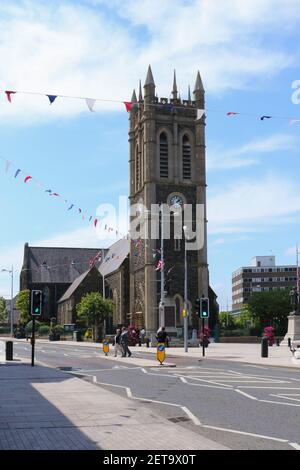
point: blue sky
(248, 55)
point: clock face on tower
(176, 201)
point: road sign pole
(32, 341)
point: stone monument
(293, 320)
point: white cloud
(81, 50)
(253, 204)
(220, 159)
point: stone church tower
(167, 165)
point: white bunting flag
(7, 165)
(90, 104)
(200, 113)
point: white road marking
(279, 403)
(246, 394)
(294, 445)
(191, 416)
(66, 354)
(257, 367)
(245, 433)
(183, 380)
(284, 397)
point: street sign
(161, 352)
(106, 347)
(184, 313)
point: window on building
(163, 155)
(186, 158)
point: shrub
(88, 334)
(57, 330)
(44, 330)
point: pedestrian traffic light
(36, 302)
(204, 310)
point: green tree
(270, 309)
(226, 320)
(3, 310)
(93, 310)
(22, 304)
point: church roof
(74, 286)
(56, 265)
(115, 257)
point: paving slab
(55, 410)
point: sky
(248, 54)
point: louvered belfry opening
(164, 156)
(186, 158)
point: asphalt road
(239, 405)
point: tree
(270, 309)
(93, 310)
(22, 304)
(3, 310)
(226, 320)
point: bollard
(289, 343)
(264, 346)
(9, 351)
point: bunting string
(130, 106)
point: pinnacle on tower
(198, 84)
(174, 91)
(149, 78)
(133, 98)
(149, 86)
(189, 94)
(140, 92)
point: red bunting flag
(231, 113)
(8, 93)
(128, 106)
(27, 179)
(95, 222)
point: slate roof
(70, 291)
(115, 257)
(57, 265)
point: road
(239, 405)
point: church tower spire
(174, 91)
(199, 91)
(149, 86)
(140, 92)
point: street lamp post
(162, 273)
(185, 318)
(11, 272)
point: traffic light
(197, 307)
(204, 309)
(36, 302)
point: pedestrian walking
(162, 336)
(124, 342)
(117, 343)
(142, 336)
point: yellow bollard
(161, 352)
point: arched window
(186, 158)
(163, 156)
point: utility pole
(297, 262)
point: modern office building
(263, 275)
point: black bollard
(9, 351)
(264, 346)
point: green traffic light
(37, 310)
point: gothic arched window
(163, 156)
(186, 158)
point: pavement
(279, 356)
(45, 408)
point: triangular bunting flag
(231, 113)
(71, 206)
(17, 172)
(90, 104)
(265, 117)
(52, 98)
(8, 93)
(95, 222)
(200, 113)
(128, 106)
(27, 179)
(7, 165)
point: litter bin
(264, 346)
(77, 336)
(9, 351)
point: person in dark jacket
(117, 343)
(162, 336)
(124, 342)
